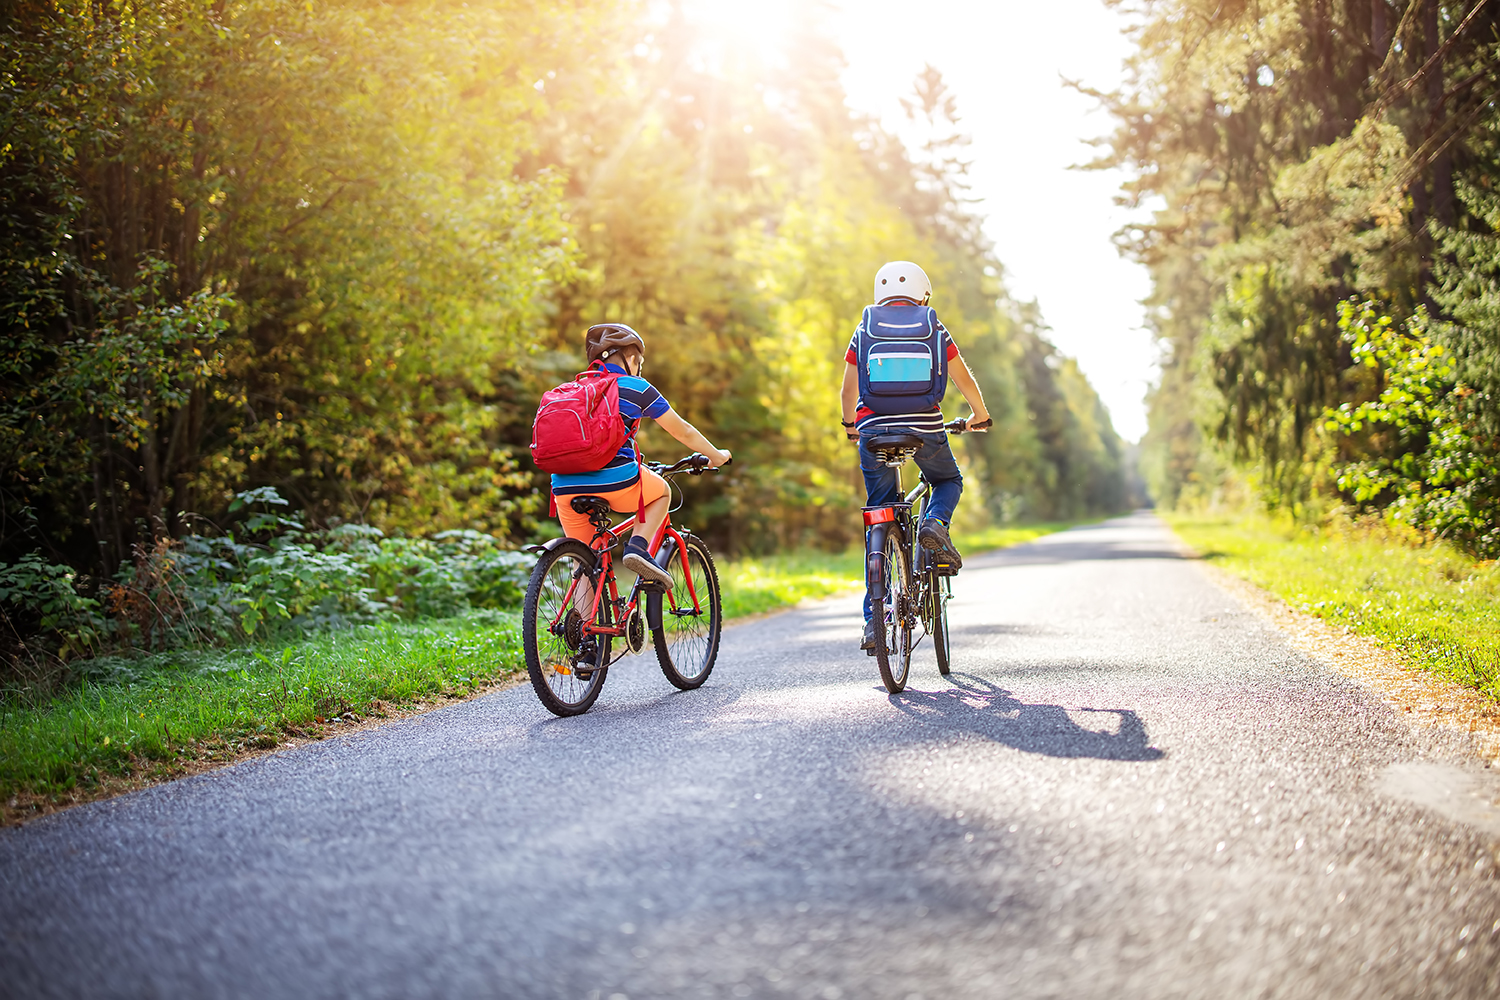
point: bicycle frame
(603, 542)
(897, 517)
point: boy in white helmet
(897, 369)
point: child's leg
(574, 524)
(658, 499)
(882, 487)
(882, 483)
(935, 459)
(637, 555)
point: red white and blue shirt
(638, 398)
(924, 421)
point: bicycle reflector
(879, 515)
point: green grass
(169, 709)
(755, 586)
(154, 715)
(1432, 604)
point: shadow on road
(975, 705)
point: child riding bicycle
(623, 483)
(895, 374)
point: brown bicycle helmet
(604, 339)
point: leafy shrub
(271, 576)
(39, 597)
(1428, 462)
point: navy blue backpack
(903, 364)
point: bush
(1429, 464)
(270, 577)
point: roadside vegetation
(1426, 600)
(1320, 182)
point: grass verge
(134, 722)
(157, 717)
(1426, 601)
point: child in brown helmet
(623, 484)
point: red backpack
(578, 427)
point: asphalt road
(1129, 787)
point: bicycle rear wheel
(567, 668)
(892, 625)
(937, 594)
(687, 643)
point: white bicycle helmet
(903, 278)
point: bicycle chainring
(635, 631)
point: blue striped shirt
(638, 398)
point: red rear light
(879, 515)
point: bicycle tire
(687, 645)
(553, 660)
(939, 616)
(893, 638)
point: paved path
(1130, 787)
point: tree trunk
(1380, 40)
(1442, 165)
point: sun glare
(763, 28)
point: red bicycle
(574, 611)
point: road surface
(1129, 787)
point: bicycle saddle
(590, 505)
(595, 508)
(894, 442)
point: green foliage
(1428, 464)
(337, 248)
(175, 707)
(272, 579)
(1469, 293)
(1296, 153)
(45, 594)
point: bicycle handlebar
(961, 426)
(694, 465)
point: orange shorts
(624, 500)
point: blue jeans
(934, 458)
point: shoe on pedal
(868, 642)
(934, 538)
(637, 559)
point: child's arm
(849, 399)
(690, 437)
(965, 379)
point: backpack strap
(640, 483)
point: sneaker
(868, 642)
(638, 560)
(934, 538)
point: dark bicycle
(574, 611)
(908, 585)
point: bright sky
(1051, 225)
(1004, 60)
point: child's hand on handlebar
(718, 457)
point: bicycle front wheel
(937, 594)
(567, 668)
(687, 643)
(892, 626)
